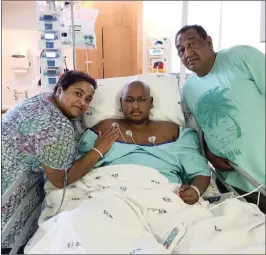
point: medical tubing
(64, 191)
(122, 134)
(258, 200)
(240, 197)
(117, 126)
(65, 185)
(248, 177)
(129, 133)
(87, 59)
(133, 139)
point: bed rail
(243, 173)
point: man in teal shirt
(226, 95)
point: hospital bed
(105, 104)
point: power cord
(258, 199)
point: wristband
(195, 188)
(97, 151)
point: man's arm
(196, 171)
(220, 164)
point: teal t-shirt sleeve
(193, 163)
(252, 62)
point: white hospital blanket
(133, 209)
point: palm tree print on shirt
(213, 106)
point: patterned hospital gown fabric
(33, 132)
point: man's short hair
(199, 29)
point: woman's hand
(221, 164)
(188, 194)
(105, 141)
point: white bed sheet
(133, 209)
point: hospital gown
(179, 161)
(33, 132)
(229, 106)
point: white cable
(129, 133)
(87, 59)
(247, 177)
(240, 197)
(152, 139)
(258, 200)
(64, 192)
(63, 196)
(117, 126)
(122, 135)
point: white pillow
(164, 89)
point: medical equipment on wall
(58, 29)
(84, 27)
(51, 76)
(159, 55)
(50, 40)
(51, 56)
(49, 22)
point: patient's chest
(147, 137)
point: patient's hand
(221, 164)
(105, 141)
(188, 194)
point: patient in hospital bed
(163, 145)
(128, 203)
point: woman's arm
(79, 168)
(82, 166)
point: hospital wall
(19, 34)
(229, 23)
(160, 18)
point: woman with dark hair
(38, 137)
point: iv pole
(73, 35)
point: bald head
(136, 101)
(136, 83)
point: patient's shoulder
(104, 125)
(167, 124)
(171, 128)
